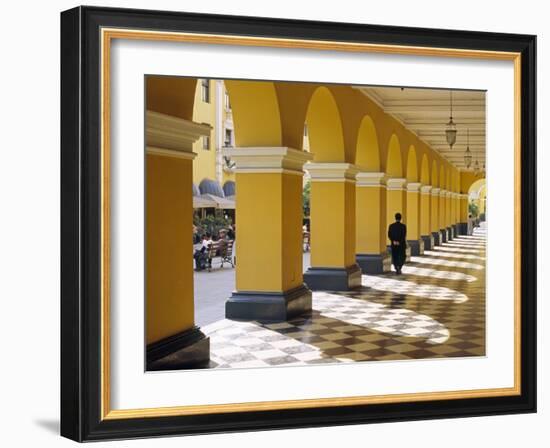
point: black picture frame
(81, 226)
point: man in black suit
(397, 233)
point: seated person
(201, 255)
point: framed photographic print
(273, 223)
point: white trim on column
(172, 134)
(268, 159)
(331, 172)
(435, 191)
(396, 183)
(425, 189)
(414, 187)
(442, 193)
(170, 153)
(371, 179)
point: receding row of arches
(343, 125)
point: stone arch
(476, 187)
(367, 155)
(324, 124)
(412, 165)
(171, 95)
(394, 164)
(256, 115)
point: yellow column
(396, 202)
(434, 221)
(370, 228)
(447, 216)
(413, 219)
(173, 340)
(425, 216)
(463, 209)
(442, 216)
(333, 265)
(269, 281)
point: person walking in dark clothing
(397, 233)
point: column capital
(268, 159)
(425, 189)
(435, 191)
(331, 172)
(172, 136)
(463, 195)
(442, 192)
(413, 186)
(449, 194)
(396, 183)
(371, 179)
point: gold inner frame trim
(107, 35)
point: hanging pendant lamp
(468, 153)
(450, 129)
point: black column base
(436, 239)
(189, 349)
(416, 246)
(450, 234)
(444, 235)
(482, 217)
(455, 230)
(428, 241)
(462, 228)
(268, 306)
(333, 279)
(374, 263)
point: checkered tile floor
(435, 309)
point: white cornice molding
(413, 187)
(442, 193)
(435, 191)
(396, 183)
(371, 179)
(171, 133)
(425, 189)
(331, 172)
(188, 155)
(268, 159)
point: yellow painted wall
(171, 95)
(168, 260)
(269, 211)
(204, 165)
(442, 215)
(370, 212)
(332, 224)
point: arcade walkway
(435, 309)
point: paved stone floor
(435, 309)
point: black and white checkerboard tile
(435, 309)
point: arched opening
(394, 164)
(477, 200)
(425, 171)
(367, 156)
(255, 113)
(324, 127)
(412, 165)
